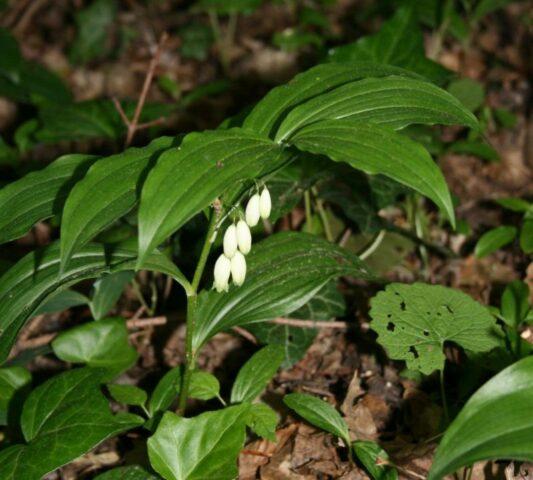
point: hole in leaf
(414, 351)
(426, 333)
(402, 305)
(448, 308)
(391, 327)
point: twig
(133, 125)
(246, 334)
(294, 322)
(345, 237)
(27, 16)
(256, 453)
(145, 322)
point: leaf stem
(308, 215)
(443, 397)
(192, 302)
(323, 216)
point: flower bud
(265, 204)
(244, 237)
(238, 268)
(222, 273)
(230, 241)
(252, 213)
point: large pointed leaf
(109, 190)
(61, 420)
(189, 178)
(130, 472)
(413, 322)
(37, 275)
(274, 107)
(199, 448)
(398, 42)
(393, 101)
(378, 150)
(496, 423)
(284, 272)
(39, 195)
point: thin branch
(293, 322)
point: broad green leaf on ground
(62, 300)
(106, 292)
(39, 195)
(256, 373)
(31, 281)
(514, 204)
(392, 101)
(61, 420)
(203, 386)
(284, 272)
(130, 472)
(479, 148)
(206, 446)
(398, 42)
(495, 239)
(318, 413)
(189, 178)
(165, 391)
(414, 321)
(93, 24)
(268, 114)
(327, 304)
(496, 423)
(109, 190)
(526, 236)
(128, 394)
(263, 421)
(103, 344)
(12, 381)
(370, 454)
(378, 150)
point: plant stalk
(192, 302)
(443, 397)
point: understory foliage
(343, 132)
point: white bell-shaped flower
(230, 241)
(244, 237)
(252, 213)
(265, 203)
(238, 268)
(222, 273)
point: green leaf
(102, 344)
(128, 394)
(39, 195)
(514, 204)
(284, 272)
(203, 386)
(227, 7)
(31, 281)
(61, 420)
(469, 92)
(93, 24)
(378, 150)
(526, 236)
(515, 303)
(263, 421)
(165, 392)
(268, 114)
(206, 446)
(130, 472)
(392, 101)
(369, 454)
(196, 40)
(11, 57)
(484, 7)
(327, 304)
(111, 187)
(12, 380)
(318, 413)
(475, 147)
(256, 373)
(496, 423)
(189, 178)
(398, 42)
(62, 300)
(494, 239)
(106, 292)
(414, 321)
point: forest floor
(344, 365)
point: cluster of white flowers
(238, 242)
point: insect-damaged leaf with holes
(414, 321)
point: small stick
(246, 334)
(145, 322)
(293, 322)
(133, 125)
(257, 453)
